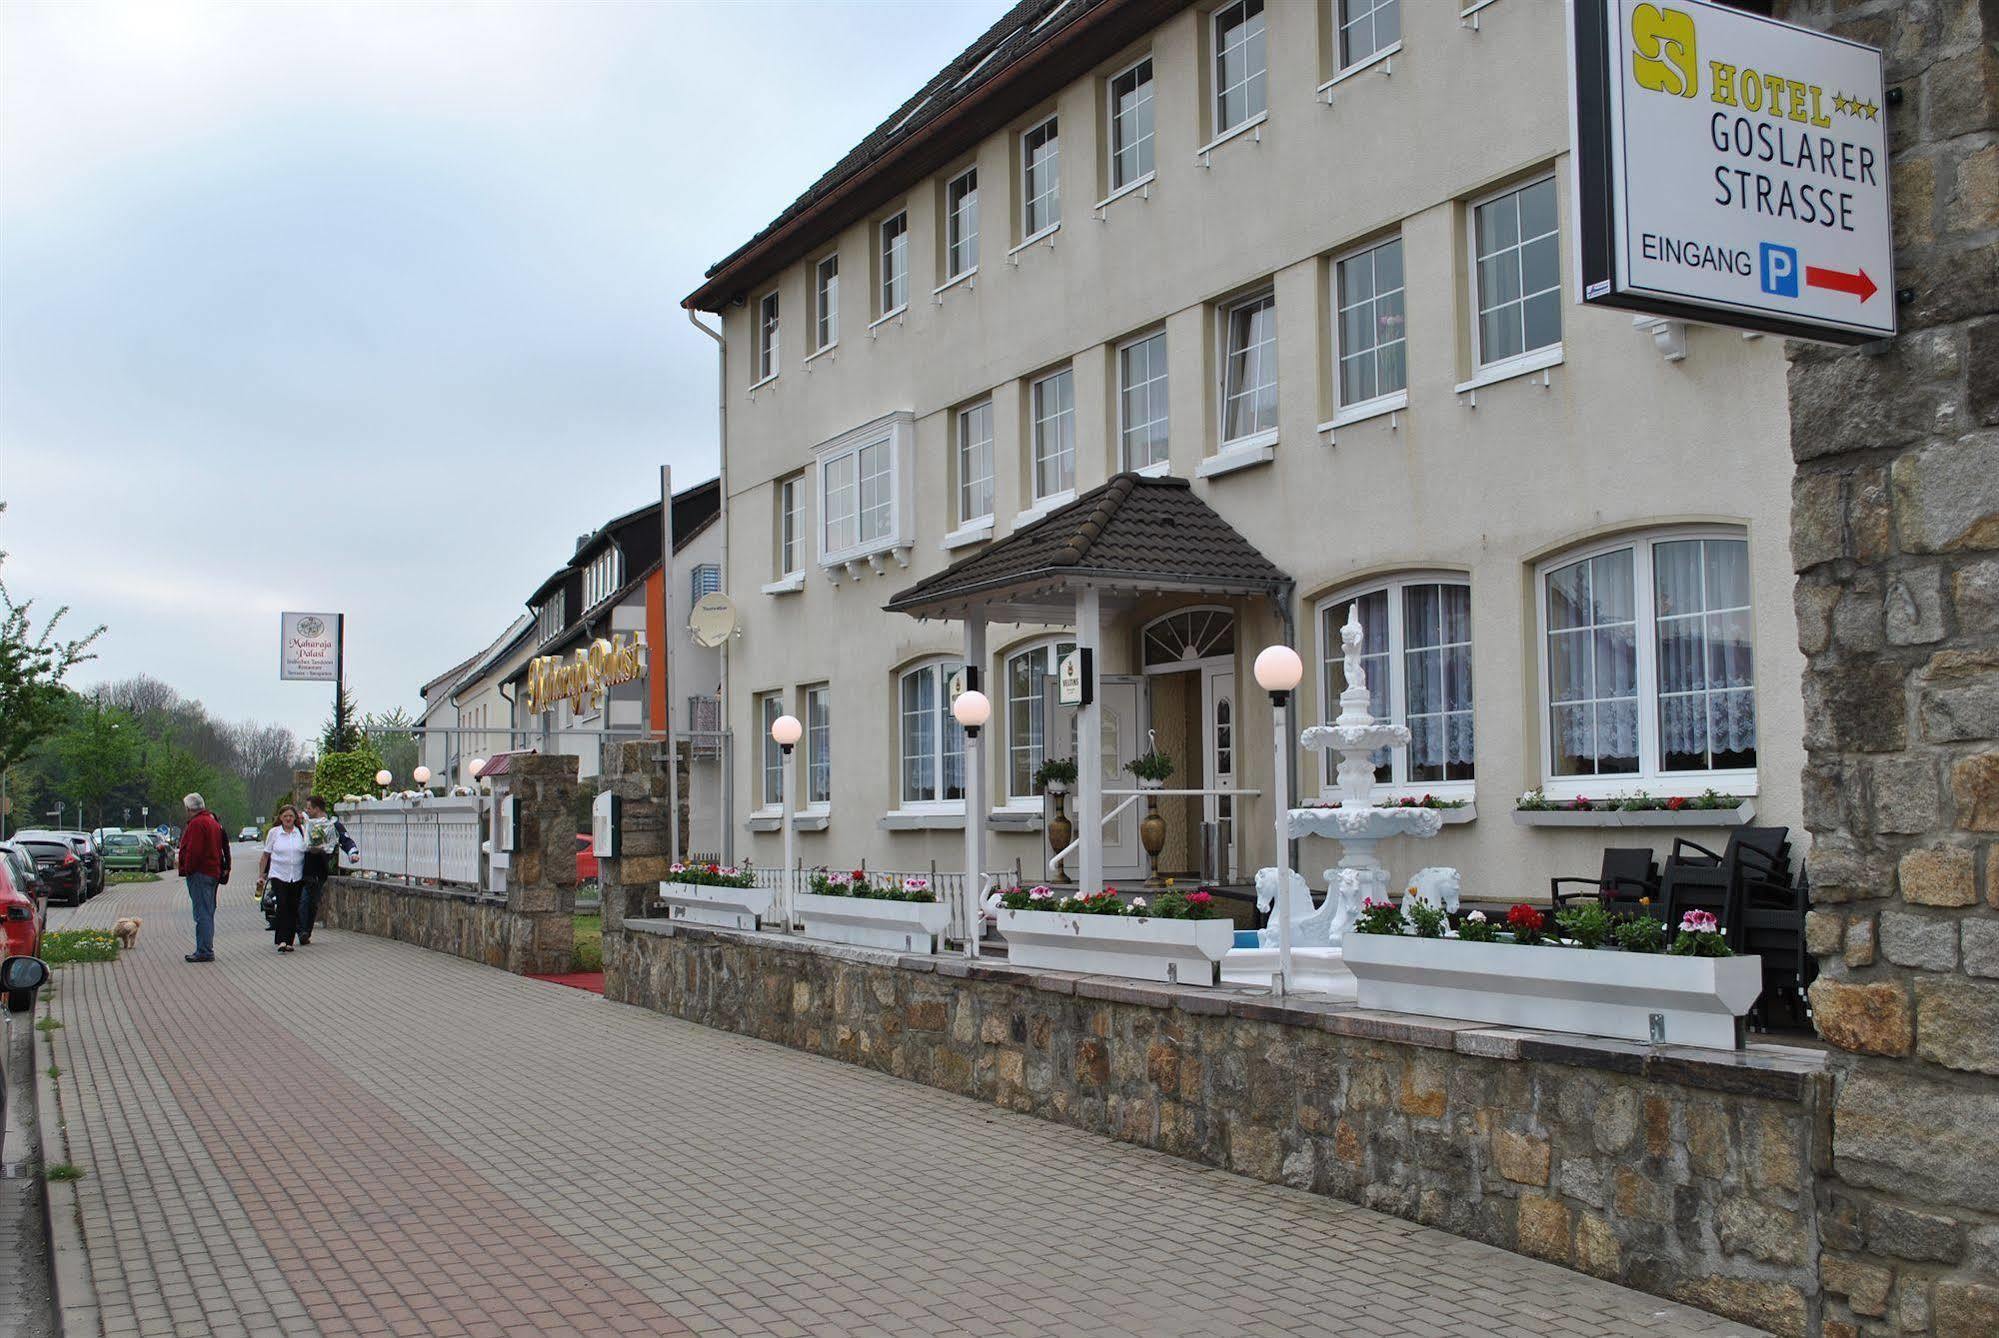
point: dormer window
(551, 616)
(603, 577)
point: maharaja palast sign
(580, 678)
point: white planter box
(1697, 1000)
(1184, 952)
(1313, 970)
(1738, 816)
(869, 922)
(723, 907)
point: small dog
(126, 931)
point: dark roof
(1036, 47)
(450, 675)
(693, 509)
(1150, 533)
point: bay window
(931, 745)
(1416, 655)
(861, 474)
(1027, 672)
(1648, 665)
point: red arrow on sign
(1840, 281)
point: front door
(1219, 747)
(1123, 715)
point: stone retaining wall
(477, 929)
(1688, 1174)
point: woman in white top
(283, 868)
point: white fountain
(1317, 933)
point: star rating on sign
(1855, 108)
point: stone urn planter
(1182, 952)
(1061, 831)
(1590, 992)
(723, 907)
(1152, 832)
(872, 922)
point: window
(767, 337)
(826, 302)
(1519, 274)
(975, 463)
(1054, 416)
(1649, 662)
(602, 577)
(791, 525)
(1367, 28)
(932, 743)
(707, 580)
(1249, 375)
(1026, 726)
(894, 264)
(1131, 125)
(1416, 653)
(1241, 64)
(1141, 369)
(771, 792)
(961, 224)
(858, 473)
(1040, 179)
(552, 616)
(818, 746)
(1369, 329)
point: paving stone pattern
(365, 1137)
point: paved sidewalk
(364, 1137)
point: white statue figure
(1351, 637)
(1436, 886)
(1323, 926)
(1298, 905)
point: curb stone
(75, 1299)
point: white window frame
(602, 577)
(1330, 651)
(551, 616)
(1030, 230)
(1119, 185)
(942, 667)
(959, 422)
(791, 525)
(769, 337)
(1049, 648)
(1387, 401)
(770, 762)
(956, 246)
(816, 750)
(1163, 464)
(1527, 360)
(1341, 23)
(1044, 500)
(1648, 778)
(825, 304)
(1216, 107)
(1250, 441)
(895, 434)
(891, 302)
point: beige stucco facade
(1482, 484)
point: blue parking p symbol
(1780, 270)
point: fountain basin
(1365, 822)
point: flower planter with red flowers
(1106, 936)
(710, 894)
(901, 915)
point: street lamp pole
(972, 709)
(785, 731)
(1278, 671)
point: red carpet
(592, 981)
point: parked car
(58, 868)
(130, 851)
(250, 833)
(21, 922)
(22, 866)
(586, 858)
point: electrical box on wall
(507, 825)
(607, 817)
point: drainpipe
(722, 519)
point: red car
(21, 918)
(586, 858)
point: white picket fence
(433, 839)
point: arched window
(1027, 670)
(1416, 654)
(1187, 636)
(932, 744)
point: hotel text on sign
(1732, 169)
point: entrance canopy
(1133, 535)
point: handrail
(1133, 796)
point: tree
(342, 731)
(392, 734)
(96, 755)
(32, 666)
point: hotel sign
(1731, 169)
(309, 647)
(581, 678)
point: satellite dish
(712, 621)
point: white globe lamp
(1278, 669)
(972, 710)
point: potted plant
(1174, 936)
(1153, 769)
(714, 894)
(1054, 777)
(1590, 973)
(901, 914)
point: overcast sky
(374, 308)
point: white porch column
(1089, 750)
(976, 768)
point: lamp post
(382, 779)
(1278, 671)
(422, 778)
(785, 731)
(972, 709)
(472, 770)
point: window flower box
(868, 922)
(723, 907)
(1589, 992)
(1738, 816)
(1183, 952)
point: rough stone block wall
(1689, 1178)
(458, 923)
(1895, 537)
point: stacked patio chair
(1629, 875)
(1749, 888)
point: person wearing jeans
(204, 859)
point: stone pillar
(541, 876)
(1895, 537)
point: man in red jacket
(204, 862)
